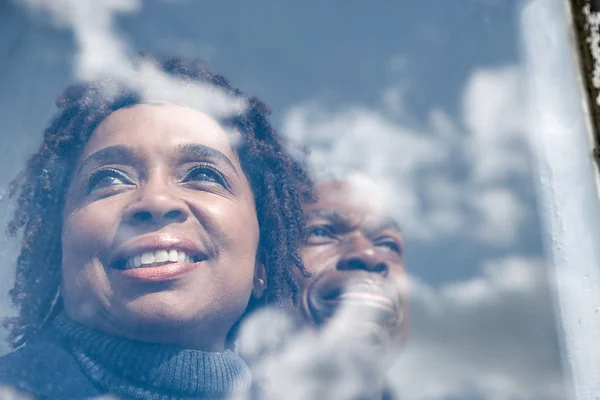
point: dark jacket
(44, 369)
(70, 361)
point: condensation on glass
(560, 41)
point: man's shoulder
(45, 369)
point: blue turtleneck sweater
(71, 361)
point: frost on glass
(562, 131)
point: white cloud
(306, 364)
(100, 48)
(492, 112)
(102, 52)
(419, 164)
(489, 336)
(500, 212)
(365, 139)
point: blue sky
(340, 53)
(436, 78)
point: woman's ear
(260, 275)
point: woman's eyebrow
(194, 151)
(110, 155)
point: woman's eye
(204, 174)
(107, 178)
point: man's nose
(361, 254)
(157, 204)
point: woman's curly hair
(280, 184)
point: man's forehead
(352, 196)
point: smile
(373, 301)
(366, 298)
(159, 258)
(367, 293)
(158, 265)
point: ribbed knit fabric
(152, 371)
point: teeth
(161, 256)
(148, 258)
(158, 257)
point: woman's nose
(362, 255)
(157, 204)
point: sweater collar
(149, 370)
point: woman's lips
(161, 273)
(157, 258)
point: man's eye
(107, 178)
(320, 231)
(204, 173)
(391, 245)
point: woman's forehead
(159, 125)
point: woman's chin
(171, 327)
(166, 307)
(174, 323)
(173, 316)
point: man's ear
(260, 275)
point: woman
(146, 234)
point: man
(354, 306)
(355, 253)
